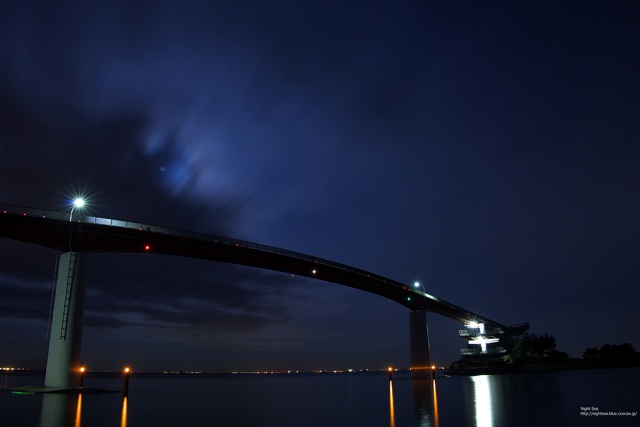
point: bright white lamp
(77, 203)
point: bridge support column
(65, 339)
(419, 336)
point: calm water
(357, 399)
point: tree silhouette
(611, 352)
(536, 348)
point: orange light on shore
(125, 380)
(82, 370)
(390, 369)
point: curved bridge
(77, 235)
(81, 233)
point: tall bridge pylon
(65, 338)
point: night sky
(490, 151)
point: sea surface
(564, 398)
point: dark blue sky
(489, 151)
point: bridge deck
(54, 229)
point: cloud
(135, 290)
(26, 299)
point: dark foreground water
(352, 399)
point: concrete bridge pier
(65, 338)
(420, 353)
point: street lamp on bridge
(77, 203)
(417, 285)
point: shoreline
(569, 365)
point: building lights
(476, 325)
(483, 342)
(478, 336)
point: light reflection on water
(78, 411)
(123, 415)
(392, 409)
(61, 410)
(425, 401)
(435, 404)
(337, 400)
(482, 400)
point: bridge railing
(19, 210)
